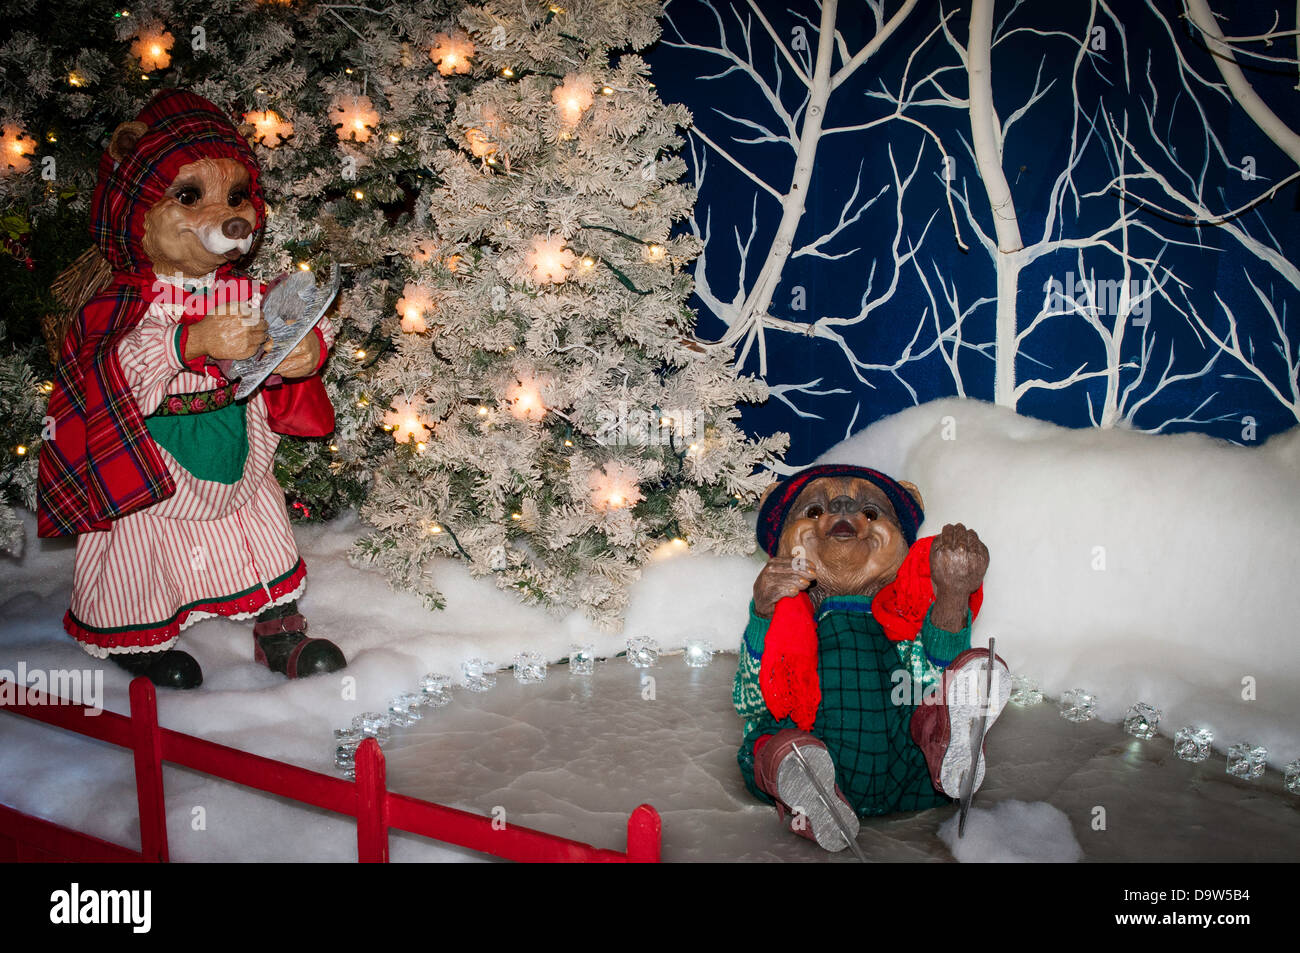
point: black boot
(280, 645)
(170, 669)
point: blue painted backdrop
(1122, 148)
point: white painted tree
(817, 61)
(1125, 299)
(1263, 351)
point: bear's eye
(189, 195)
(870, 512)
(814, 511)
(237, 198)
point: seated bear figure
(857, 682)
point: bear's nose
(236, 228)
(843, 504)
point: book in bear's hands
(292, 306)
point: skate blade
(797, 791)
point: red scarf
(788, 670)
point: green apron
(210, 444)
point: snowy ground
(1191, 593)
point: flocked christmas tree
(346, 107)
(553, 417)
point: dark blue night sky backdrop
(1187, 130)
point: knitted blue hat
(772, 514)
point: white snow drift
(1156, 569)
(1140, 567)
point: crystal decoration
(436, 689)
(582, 660)
(1247, 761)
(1078, 705)
(1024, 691)
(642, 651)
(345, 759)
(1142, 720)
(1291, 776)
(372, 724)
(530, 668)
(478, 674)
(1192, 743)
(699, 652)
(404, 709)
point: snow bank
(390, 640)
(1013, 832)
(1140, 567)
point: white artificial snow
(1139, 567)
(1197, 592)
(1013, 832)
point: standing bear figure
(169, 482)
(857, 682)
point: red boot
(941, 725)
(778, 773)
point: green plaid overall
(877, 765)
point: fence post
(146, 742)
(644, 830)
(372, 804)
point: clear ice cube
(530, 668)
(1142, 721)
(404, 709)
(1291, 776)
(436, 689)
(1078, 705)
(345, 757)
(642, 651)
(582, 660)
(372, 724)
(699, 652)
(1024, 691)
(478, 674)
(1193, 744)
(1247, 761)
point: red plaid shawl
(100, 463)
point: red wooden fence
(376, 809)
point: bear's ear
(916, 494)
(124, 139)
(768, 492)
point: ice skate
(943, 729)
(806, 789)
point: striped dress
(221, 545)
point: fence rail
(367, 799)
